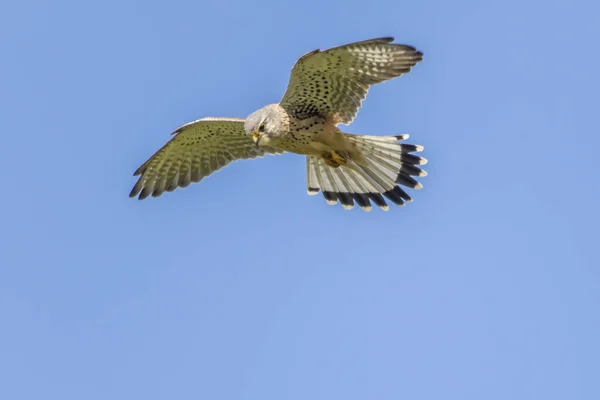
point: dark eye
(261, 128)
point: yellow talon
(334, 159)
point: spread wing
(198, 149)
(333, 83)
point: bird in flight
(326, 88)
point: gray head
(270, 122)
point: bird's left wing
(333, 83)
(198, 149)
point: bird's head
(266, 124)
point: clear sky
(487, 286)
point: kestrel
(326, 88)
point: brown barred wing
(197, 150)
(333, 83)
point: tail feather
(388, 183)
(344, 188)
(385, 163)
(327, 174)
(312, 181)
(325, 184)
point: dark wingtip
(145, 193)
(172, 186)
(136, 189)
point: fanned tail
(387, 164)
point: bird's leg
(334, 159)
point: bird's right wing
(198, 149)
(333, 83)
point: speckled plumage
(198, 149)
(326, 88)
(333, 83)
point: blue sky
(487, 286)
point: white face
(262, 126)
(256, 128)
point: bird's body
(310, 136)
(326, 88)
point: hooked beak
(256, 138)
